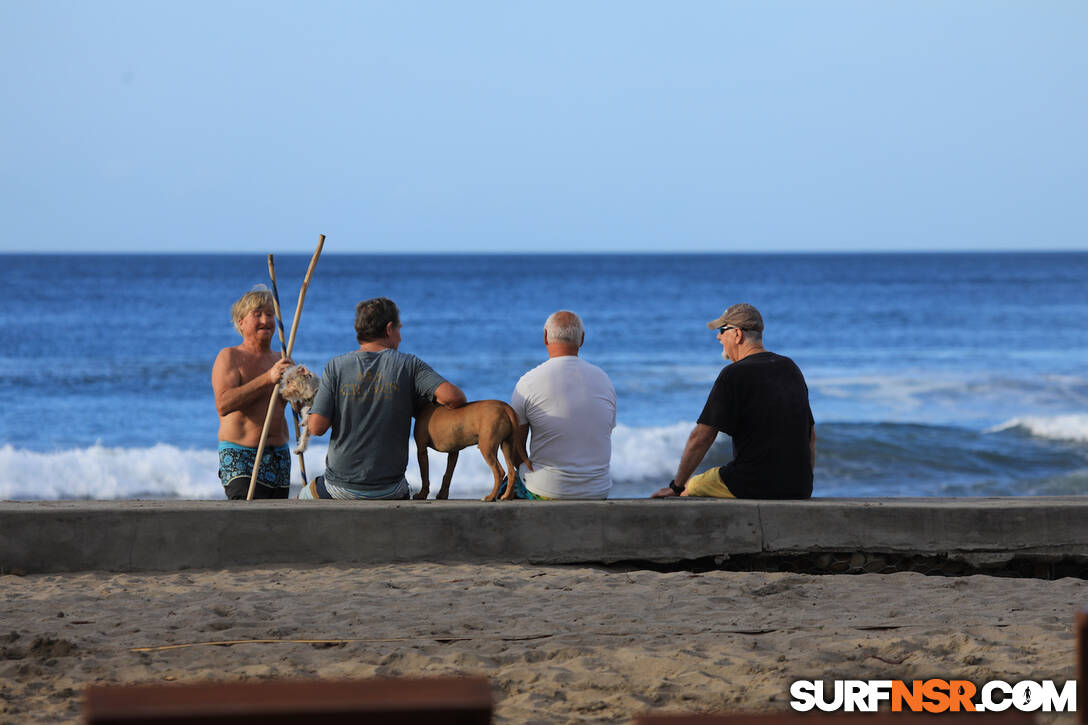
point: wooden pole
(290, 347)
(1082, 664)
(283, 350)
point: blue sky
(559, 126)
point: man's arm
(232, 395)
(449, 395)
(318, 425)
(699, 442)
(812, 446)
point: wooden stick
(302, 293)
(290, 347)
(1081, 627)
(283, 350)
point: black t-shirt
(762, 402)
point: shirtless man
(242, 380)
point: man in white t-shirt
(570, 407)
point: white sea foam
(165, 471)
(648, 453)
(943, 398)
(909, 391)
(98, 472)
(1058, 427)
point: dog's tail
(522, 454)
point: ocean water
(929, 374)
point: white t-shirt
(570, 406)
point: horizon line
(220, 253)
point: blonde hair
(259, 297)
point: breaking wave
(162, 471)
(1057, 427)
(1026, 455)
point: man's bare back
(242, 379)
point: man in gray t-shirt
(367, 398)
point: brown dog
(489, 424)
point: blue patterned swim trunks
(519, 490)
(236, 461)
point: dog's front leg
(451, 463)
(424, 471)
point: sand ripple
(560, 644)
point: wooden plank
(1081, 627)
(442, 701)
(845, 718)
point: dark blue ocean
(929, 374)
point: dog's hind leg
(519, 445)
(451, 463)
(489, 451)
(508, 454)
(304, 431)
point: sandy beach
(559, 643)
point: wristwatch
(676, 489)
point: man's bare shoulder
(228, 357)
(240, 364)
(235, 351)
(239, 354)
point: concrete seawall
(59, 536)
(70, 536)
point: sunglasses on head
(727, 328)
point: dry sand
(560, 644)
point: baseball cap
(741, 315)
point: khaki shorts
(708, 484)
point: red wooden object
(441, 701)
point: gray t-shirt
(369, 397)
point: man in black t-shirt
(761, 400)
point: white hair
(753, 336)
(566, 327)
